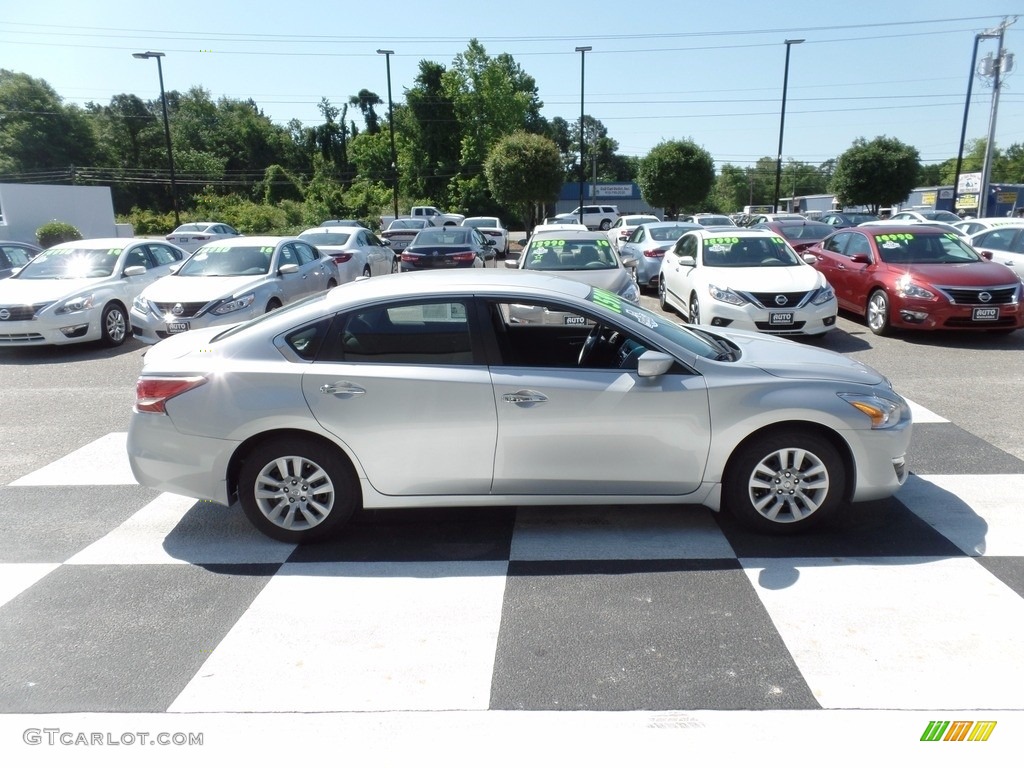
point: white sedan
(356, 251)
(492, 229)
(623, 227)
(749, 279)
(1003, 243)
(199, 233)
(81, 291)
(228, 282)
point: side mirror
(385, 241)
(629, 263)
(521, 241)
(623, 238)
(987, 255)
(687, 261)
(809, 258)
(512, 263)
(134, 271)
(288, 269)
(860, 258)
(652, 363)
(490, 242)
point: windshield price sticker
(721, 240)
(606, 299)
(894, 238)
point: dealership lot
(118, 599)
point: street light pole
(782, 124)
(167, 128)
(963, 129)
(391, 129)
(582, 49)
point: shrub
(54, 232)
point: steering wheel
(589, 345)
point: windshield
(805, 230)
(441, 237)
(71, 263)
(749, 252)
(668, 233)
(228, 261)
(409, 224)
(702, 344)
(480, 223)
(191, 228)
(923, 248)
(942, 216)
(568, 253)
(326, 238)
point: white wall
(26, 207)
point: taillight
(655, 254)
(152, 393)
(466, 256)
(408, 256)
(341, 258)
(200, 237)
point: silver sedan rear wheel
(785, 483)
(297, 489)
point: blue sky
(711, 72)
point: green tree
(37, 131)
(675, 175)
(430, 134)
(524, 171)
(876, 173)
(366, 100)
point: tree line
(469, 137)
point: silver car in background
(647, 245)
(355, 251)
(336, 415)
(228, 282)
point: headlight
(76, 304)
(823, 295)
(724, 294)
(631, 293)
(905, 287)
(233, 305)
(140, 305)
(882, 411)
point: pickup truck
(433, 215)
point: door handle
(524, 397)
(342, 388)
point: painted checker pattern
(154, 603)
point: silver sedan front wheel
(785, 483)
(297, 490)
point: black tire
(784, 483)
(876, 314)
(366, 271)
(298, 489)
(694, 312)
(114, 326)
(396, 265)
(605, 225)
(662, 296)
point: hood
(15, 291)
(793, 360)
(198, 288)
(972, 274)
(765, 279)
(613, 280)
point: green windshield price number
(894, 238)
(607, 300)
(721, 241)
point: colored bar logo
(958, 730)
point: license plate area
(179, 327)
(780, 318)
(985, 314)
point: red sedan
(915, 276)
(799, 234)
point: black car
(14, 255)
(447, 248)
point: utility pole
(994, 66)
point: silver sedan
(420, 390)
(647, 245)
